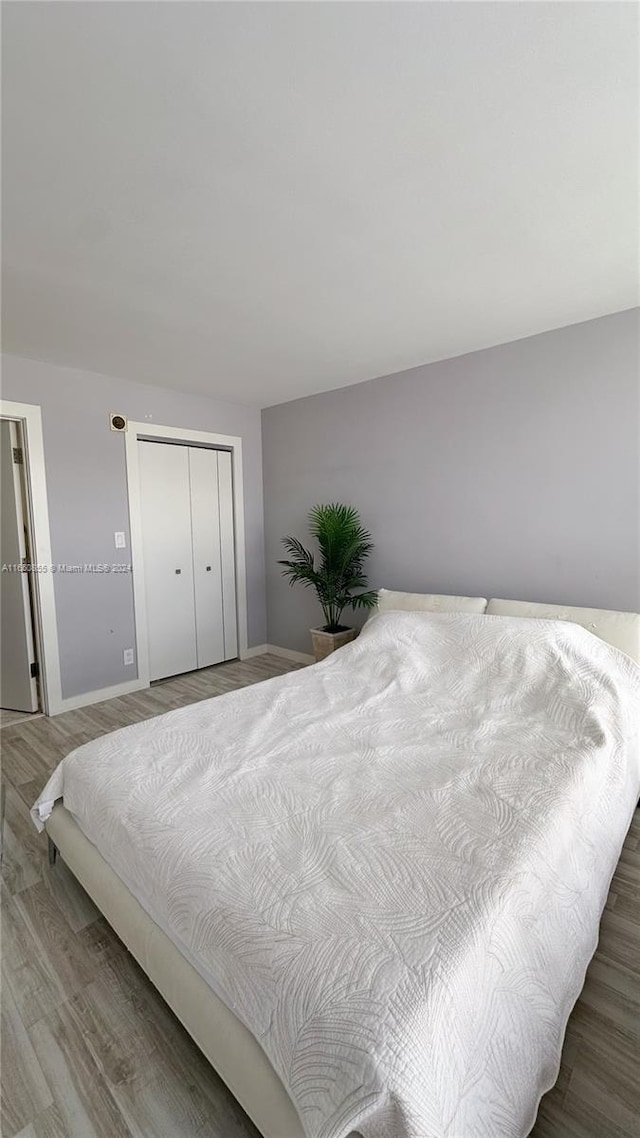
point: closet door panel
(207, 567)
(228, 558)
(168, 565)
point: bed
(370, 890)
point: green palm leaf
(344, 544)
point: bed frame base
(229, 1046)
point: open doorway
(20, 694)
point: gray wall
(511, 472)
(86, 481)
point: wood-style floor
(89, 1048)
(9, 718)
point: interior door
(227, 555)
(207, 563)
(18, 689)
(168, 562)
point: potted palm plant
(344, 544)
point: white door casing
(29, 416)
(18, 688)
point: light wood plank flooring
(9, 718)
(90, 1050)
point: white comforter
(391, 866)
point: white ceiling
(260, 201)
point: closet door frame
(152, 432)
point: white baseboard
(89, 697)
(289, 654)
(284, 653)
(259, 650)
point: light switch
(120, 542)
(128, 655)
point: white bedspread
(391, 866)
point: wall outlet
(119, 539)
(128, 655)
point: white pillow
(390, 601)
(620, 629)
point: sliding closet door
(207, 563)
(228, 556)
(168, 561)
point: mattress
(391, 866)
